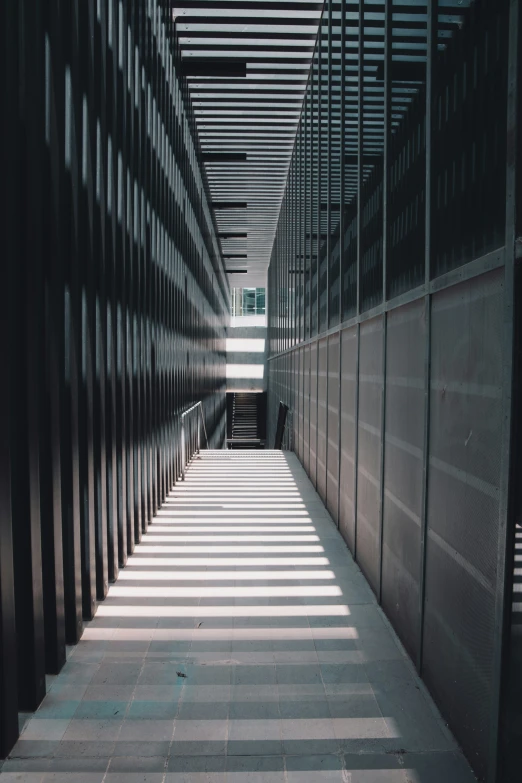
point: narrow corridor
(240, 644)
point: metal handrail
(193, 436)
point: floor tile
(314, 769)
(46, 729)
(255, 769)
(238, 667)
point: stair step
(244, 421)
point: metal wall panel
(403, 470)
(348, 419)
(369, 450)
(300, 376)
(306, 408)
(322, 416)
(463, 506)
(420, 161)
(332, 478)
(313, 413)
(294, 402)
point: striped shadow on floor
(241, 645)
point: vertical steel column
(130, 261)
(70, 421)
(108, 146)
(300, 258)
(136, 43)
(342, 231)
(169, 22)
(291, 257)
(9, 140)
(319, 146)
(160, 208)
(315, 329)
(125, 15)
(8, 651)
(329, 66)
(281, 267)
(82, 262)
(294, 261)
(297, 253)
(162, 212)
(339, 418)
(153, 269)
(316, 403)
(360, 179)
(183, 449)
(99, 299)
(310, 205)
(280, 295)
(308, 227)
(307, 216)
(119, 216)
(387, 118)
(89, 263)
(26, 365)
(140, 46)
(431, 61)
(144, 49)
(126, 272)
(510, 470)
(304, 245)
(145, 40)
(356, 441)
(360, 151)
(51, 462)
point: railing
(191, 421)
(281, 423)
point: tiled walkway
(241, 644)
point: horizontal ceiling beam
(216, 66)
(223, 157)
(229, 205)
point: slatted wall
(114, 307)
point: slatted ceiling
(256, 115)
(259, 115)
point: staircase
(245, 418)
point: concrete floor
(240, 644)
